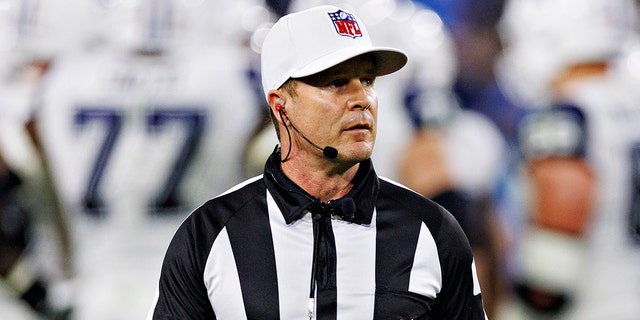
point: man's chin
(354, 155)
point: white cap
(307, 42)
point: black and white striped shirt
(248, 254)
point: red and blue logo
(345, 24)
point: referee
(319, 235)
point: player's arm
(560, 185)
(59, 291)
(51, 298)
(38, 69)
(423, 167)
(58, 218)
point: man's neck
(318, 180)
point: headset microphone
(329, 152)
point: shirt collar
(293, 200)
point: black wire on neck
(280, 112)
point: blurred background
(119, 117)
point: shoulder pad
(557, 131)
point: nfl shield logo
(345, 24)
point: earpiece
(280, 104)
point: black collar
(293, 200)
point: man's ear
(276, 101)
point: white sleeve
(475, 151)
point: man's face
(338, 107)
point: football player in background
(141, 129)
(577, 252)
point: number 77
(167, 199)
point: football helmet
(543, 37)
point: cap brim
(387, 60)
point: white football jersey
(136, 142)
(611, 288)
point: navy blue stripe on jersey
(551, 132)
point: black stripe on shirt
(256, 261)
(397, 238)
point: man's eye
(368, 81)
(337, 83)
